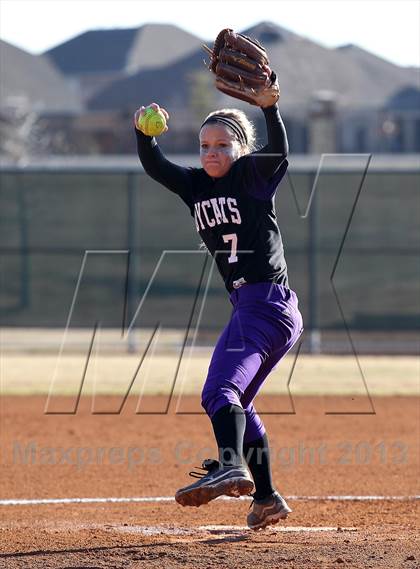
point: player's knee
(209, 400)
(213, 398)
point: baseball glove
(242, 69)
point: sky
(388, 28)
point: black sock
(229, 427)
(257, 456)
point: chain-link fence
(82, 243)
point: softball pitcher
(231, 199)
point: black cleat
(219, 480)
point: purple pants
(264, 326)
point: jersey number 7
(233, 258)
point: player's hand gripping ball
(152, 120)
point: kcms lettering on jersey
(215, 211)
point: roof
(408, 99)
(32, 80)
(123, 50)
(95, 50)
(169, 85)
(358, 78)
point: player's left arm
(272, 157)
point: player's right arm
(176, 178)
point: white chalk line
(278, 528)
(223, 529)
(153, 499)
(173, 530)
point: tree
(202, 95)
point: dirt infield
(323, 462)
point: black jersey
(234, 214)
